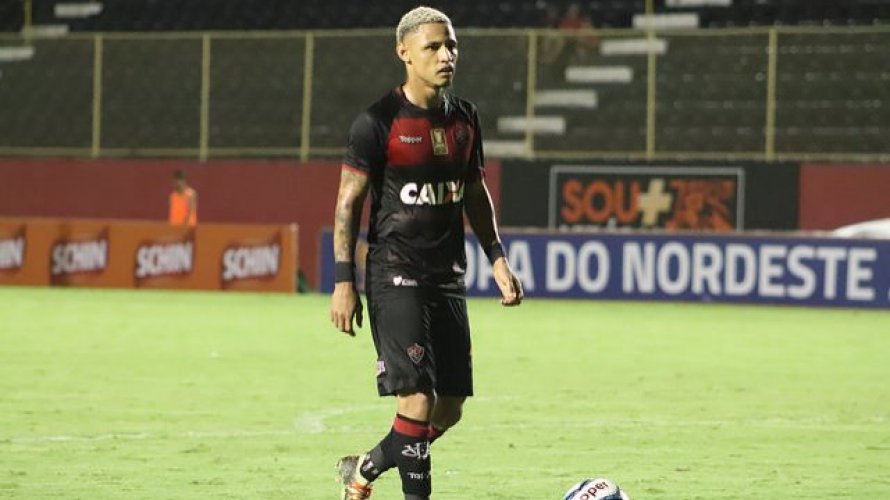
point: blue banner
(795, 270)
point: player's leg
(405, 368)
(410, 443)
(406, 446)
(409, 371)
(454, 366)
(446, 414)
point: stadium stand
(154, 15)
(711, 90)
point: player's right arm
(346, 304)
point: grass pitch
(175, 395)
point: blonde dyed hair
(416, 17)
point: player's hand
(511, 288)
(346, 305)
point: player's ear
(402, 52)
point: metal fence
(758, 93)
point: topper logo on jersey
(12, 253)
(154, 260)
(410, 139)
(432, 193)
(250, 262)
(79, 257)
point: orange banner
(130, 254)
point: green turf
(158, 395)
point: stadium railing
(760, 93)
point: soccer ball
(596, 489)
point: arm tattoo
(348, 213)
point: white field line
(306, 423)
(769, 423)
(143, 436)
(314, 423)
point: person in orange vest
(183, 202)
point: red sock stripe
(434, 432)
(411, 428)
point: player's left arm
(480, 214)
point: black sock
(411, 450)
(379, 459)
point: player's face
(430, 54)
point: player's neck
(424, 96)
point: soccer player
(418, 150)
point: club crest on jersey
(440, 145)
(432, 193)
(415, 352)
(460, 134)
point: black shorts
(422, 337)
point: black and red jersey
(418, 161)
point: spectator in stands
(576, 41)
(183, 202)
(551, 44)
(584, 40)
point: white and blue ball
(596, 489)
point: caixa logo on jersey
(82, 254)
(250, 261)
(160, 259)
(432, 193)
(12, 250)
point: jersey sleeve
(476, 168)
(365, 149)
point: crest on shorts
(415, 352)
(381, 367)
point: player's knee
(448, 412)
(416, 405)
(453, 417)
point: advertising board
(693, 198)
(128, 254)
(710, 267)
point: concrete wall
(242, 191)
